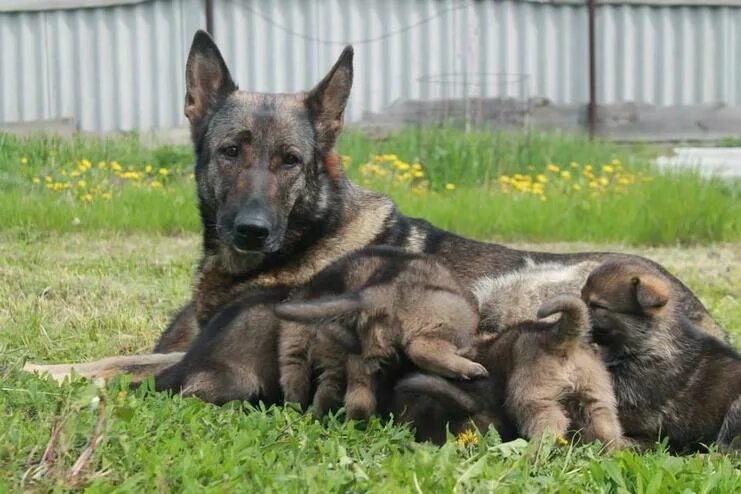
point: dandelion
(466, 438)
(47, 179)
(603, 181)
(449, 186)
(116, 166)
(346, 160)
(574, 164)
(561, 441)
(608, 168)
(418, 174)
(155, 184)
(82, 184)
(24, 161)
(553, 168)
(107, 195)
(566, 175)
(576, 187)
(87, 198)
(36, 180)
(416, 166)
(102, 165)
(164, 172)
(542, 178)
(504, 179)
(148, 169)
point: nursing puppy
(357, 315)
(671, 380)
(553, 379)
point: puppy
(357, 315)
(671, 380)
(552, 379)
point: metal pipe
(209, 4)
(592, 110)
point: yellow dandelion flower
(603, 181)
(36, 180)
(504, 179)
(574, 164)
(107, 195)
(566, 175)
(102, 165)
(418, 174)
(164, 172)
(116, 166)
(587, 167)
(82, 184)
(561, 441)
(24, 161)
(616, 162)
(404, 166)
(47, 179)
(608, 169)
(576, 187)
(467, 437)
(553, 168)
(155, 184)
(87, 198)
(416, 166)
(542, 178)
(346, 160)
(449, 186)
(623, 181)
(148, 169)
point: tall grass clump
(504, 186)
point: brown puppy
(671, 380)
(378, 302)
(554, 380)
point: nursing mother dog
(276, 209)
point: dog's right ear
(207, 78)
(651, 292)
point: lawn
(84, 277)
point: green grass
(672, 208)
(80, 296)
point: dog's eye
(291, 160)
(230, 151)
(596, 305)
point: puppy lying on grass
(356, 316)
(553, 379)
(671, 380)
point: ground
(79, 296)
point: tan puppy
(671, 380)
(357, 316)
(553, 379)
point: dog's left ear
(651, 292)
(327, 101)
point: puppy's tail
(574, 321)
(319, 309)
(455, 400)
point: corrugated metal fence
(121, 67)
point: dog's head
(262, 158)
(625, 300)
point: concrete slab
(718, 162)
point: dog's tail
(455, 400)
(574, 321)
(319, 309)
(138, 366)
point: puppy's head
(626, 300)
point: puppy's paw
(474, 371)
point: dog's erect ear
(327, 101)
(651, 292)
(207, 79)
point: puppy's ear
(207, 78)
(327, 101)
(651, 292)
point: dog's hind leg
(603, 425)
(293, 358)
(441, 357)
(138, 366)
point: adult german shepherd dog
(277, 208)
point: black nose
(251, 231)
